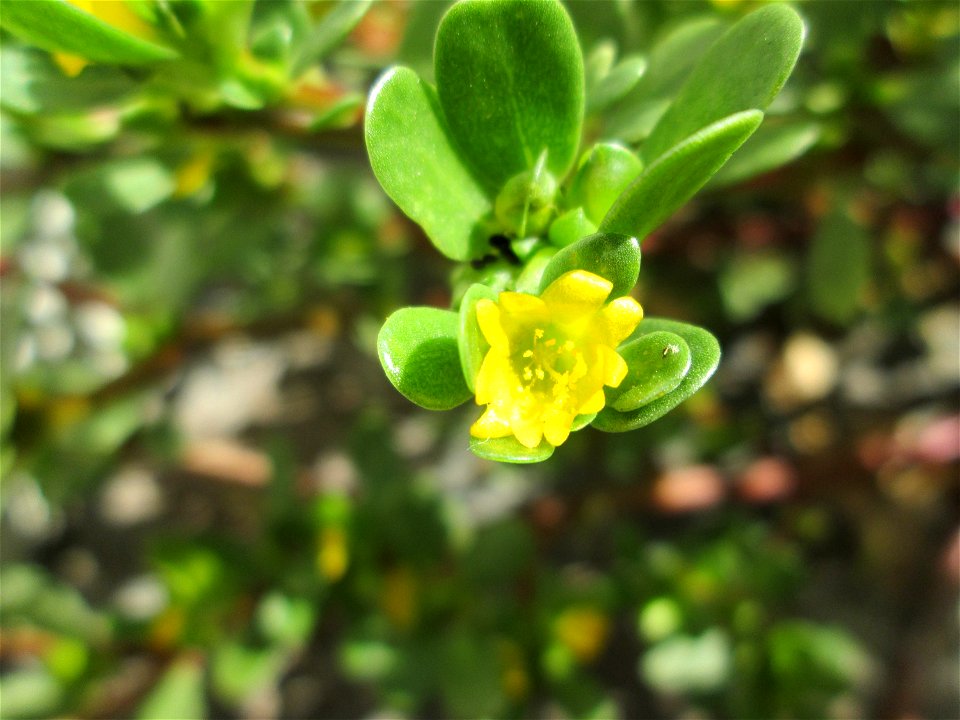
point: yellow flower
(550, 357)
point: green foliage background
(215, 505)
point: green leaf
(286, 620)
(238, 671)
(510, 79)
(30, 692)
(769, 148)
(525, 204)
(670, 181)
(704, 358)
(32, 597)
(57, 25)
(609, 255)
(743, 70)
(838, 268)
(342, 113)
(471, 674)
(32, 83)
(581, 421)
(604, 172)
(671, 60)
(419, 352)
(617, 83)
(472, 344)
(131, 185)
(332, 29)
(570, 227)
(528, 281)
(597, 64)
(414, 159)
(508, 449)
(499, 275)
(657, 364)
(416, 48)
(179, 694)
(753, 280)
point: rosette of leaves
(488, 162)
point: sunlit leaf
(179, 695)
(676, 175)
(415, 160)
(58, 25)
(508, 449)
(472, 345)
(769, 148)
(704, 359)
(510, 79)
(419, 352)
(609, 255)
(743, 70)
(657, 363)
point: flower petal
(576, 294)
(488, 318)
(495, 378)
(521, 305)
(528, 432)
(490, 425)
(618, 319)
(594, 403)
(614, 366)
(556, 428)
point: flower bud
(524, 206)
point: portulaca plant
(543, 332)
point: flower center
(550, 367)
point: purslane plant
(543, 331)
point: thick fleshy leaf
(604, 172)
(60, 26)
(508, 449)
(667, 184)
(617, 83)
(418, 350)
(769, 148)
(570, 227)
(528, 281)
(743, 70)
(334, 26)
(838, 268)
(657, 363)
(415, 160)
(581, 421)
(598, 64)
(704, 358)
(472, 344)
(670, 61)
(609, 255)
(510, 79)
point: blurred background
(215, 505)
